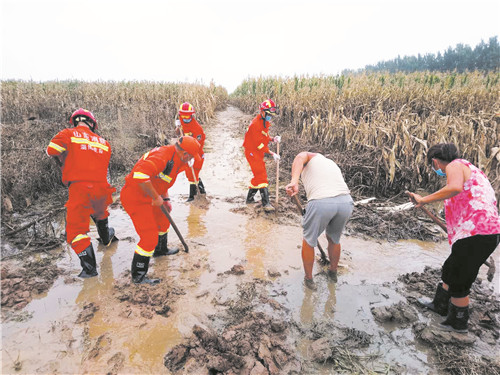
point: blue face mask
(186, 121)
(268, 118)
(439, 172)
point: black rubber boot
(140, 266)
(192, 192)
(201, 187)
(251, 194)
(162, 247)
(456, 320)
(88, 263)
(264, 193)
(106, 234)
(440, 302)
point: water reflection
(324, 299)
(257, 238)
(195, 221)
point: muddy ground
(235, 303)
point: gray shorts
(327, 214)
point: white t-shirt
(322, 178)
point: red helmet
(190, 145)
(186, 109)
(83, 115)
(186, 112)
(268, 106)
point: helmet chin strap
(90, 124)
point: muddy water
(52, 342)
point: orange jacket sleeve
(151, 164)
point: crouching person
(329, 207)
(145, 191)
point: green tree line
(484, 57)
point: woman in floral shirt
(473, 228)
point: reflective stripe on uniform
(139, 250)
(260, 146)
(259, 186)
(79, 238)
(263, 132)
(165, 177)
(140, 176)
(162, 233)
(56, 147)
(90, 143)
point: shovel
(199, 198)
(165, 211)
(324, 259)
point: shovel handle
(428, 213)
(302, 212)
(167, 214)
(195, 180)
(277, 173)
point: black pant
(462, 266)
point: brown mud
(236, 304)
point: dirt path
(235, 303)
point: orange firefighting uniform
(194, 130)
(149, 221)
(85, 157)
(256, 145)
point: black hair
(443, 151)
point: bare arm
(298, 165)
(454, 185)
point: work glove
(177, 123)
(191, 162)
(277, 139)
(276, 157)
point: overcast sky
(227, 40)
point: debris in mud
(87, 313)
(391, 225)
(21, 283)
(399, 313)
(237, 269)
(340, 348)
(251, 342)
(146, 300)
(285, 213)
(457, 353)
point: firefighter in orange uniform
(84, 156)
(145, 191)
(187, 125)
(256, 143)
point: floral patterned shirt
(473, 211)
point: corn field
(390, 119)
(132, 116)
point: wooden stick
(26, 226)
(165, 211)
(277, 173)
(430, 214)
(196, 181)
